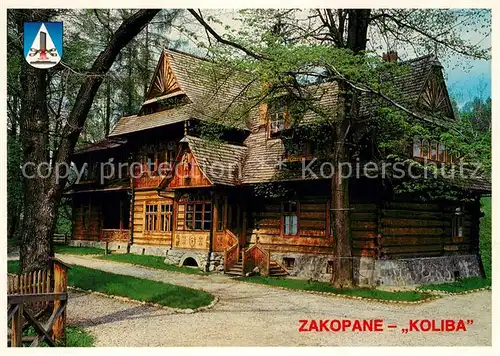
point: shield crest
(43, 43)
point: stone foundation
(118, 246)
(149, 250)
(426, 270)
(306, 266)
(402, 272)
(178, 257)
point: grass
(78, 337)
(150, 261)
(459, 286)
(74, 250)
(146, 290)
(299, 284)
(75, 337)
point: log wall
(140, 236)
(425, 230)
(364, 229)
(92, 229)
(312, 236)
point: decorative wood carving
(164, 81)
(192, 240)
(435, 96)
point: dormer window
(277, 119)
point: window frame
(290, 213)
(165, 217)
(458, 224)
(193, 220)
(157, 216)
(289, 263)
(438, 148)
(275, 110)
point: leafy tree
(40, 144)
(285, 48)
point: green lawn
(74, 250)
(459, 286)
(150, 261)
(326, 287)
(135, 288)
(78, 337)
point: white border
(255, 4)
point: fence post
(268, 263)
(60, 286)
(17, 325)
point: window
(151, 219)
(288, 262)
(441, 153)
(290, 218)
(425, 149)
(434, 151)
(158, 217)
(151, 162)
(198, 216)
(458, 223)
(166, 217)
(417, 147)
(329, 267)
(277, 118)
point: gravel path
(254, 315)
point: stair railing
(256, 256)
(231, 254)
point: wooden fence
(29, 295)
(60, 239)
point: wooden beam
(39, 329)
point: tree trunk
(39, 213)
(342, 275)
(42, 195)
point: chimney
(390, 56)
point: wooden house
(200, 203)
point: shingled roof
(208, 96)
(105, 144)
(222, 163)
(408, 82)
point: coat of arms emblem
(43, 43)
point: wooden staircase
(275, 270)
(238, 269)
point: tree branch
(224, 41)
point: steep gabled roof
(134, 123)
(419, 85)
(182, 74)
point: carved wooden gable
(434, 96)
(164, 81)
(187, 173)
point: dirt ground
(254, 315)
